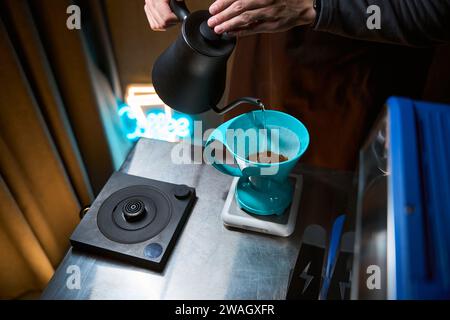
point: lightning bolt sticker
(307, 277)
(345, 285)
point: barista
(409, 22)
(336, 85)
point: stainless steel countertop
(209, 261)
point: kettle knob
(208, 33)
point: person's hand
(244, 17)
(159, 14)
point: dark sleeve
(409, 22)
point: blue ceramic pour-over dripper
(263, 188)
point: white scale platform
(282, 225)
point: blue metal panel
(420, 166)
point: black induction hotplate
(135, 219)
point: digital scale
(278, 225)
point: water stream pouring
(190, 75)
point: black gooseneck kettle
(190, 75)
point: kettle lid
(195, 34)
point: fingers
(234, 9)
(150, 19)
(220, 5)
(256, 16)
(159, 14)
(263, 27)
(245, 19)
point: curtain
(335, 86)
(60, 136)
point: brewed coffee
(267, 157)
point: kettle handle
(219, 135)
(179, 8)
(222, 167)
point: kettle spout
(253, 101)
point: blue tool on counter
(341, 280)
(333, 251)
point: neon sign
(145, 115)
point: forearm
(408, 22)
